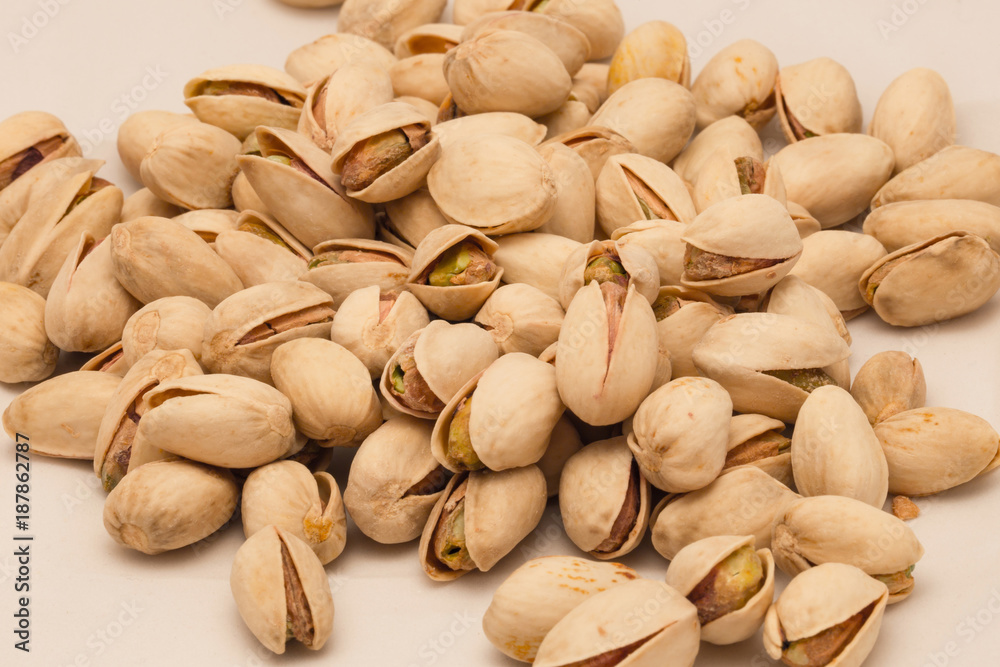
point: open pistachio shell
(662, 239)
(833, 261)
(335, 100)
(26, 353)
(536, 259)
(384, 21)
(683, 315)
(815, 98)
(192, 165)
(657, 116)
(732, 134)
(574, 215)
(405, 222)
(110, 360)
(738, 80)
(955, 172)
(29, 139)
(567, 42)
(595, 145)
(803, 219)
(904, 223)
(889, 383)
(757, 441)
(260, 250)
(723, 176)
(208, 223)
(794, 296)
(521, 318)
(428, 38)
(373, 325)
(138, 132)
(638, 265)
(327, 54)
(342, 266)
(688, 574)
(633, 187)
(600, 20)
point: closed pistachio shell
(930, 450)
(815, 98)
(373, 325)
(537, 595)
(535, 259)
(208, 223)
(833, 261)
(138, 132)
(654, 49)
(384, 21)
(327, 54)
(573, 216)
(508, 123)
(724, 176)
(631, 109)
(26, 353)
(342, 266)
(61, 416)
(834, 176)
(633, 187)
(835, 451)
(940, 279)
(638, 266)
(521, 318)
(678, 331)
(915, 116)
(570, 117)
(738, 80)
(600, 20)
(170, 323)
(245, 198)
(261, 251)
(421, 76)
(567, 42)
(192, 165)
(142, 203)
(955, 172)
(407, 221)
(889, 383)
(731, 134)
(595, 144)
(757, 441)
(564, 442)
(904, 223)
(794, 296)
(662, 239)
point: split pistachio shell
(878, 543)
(834, 176)
(394, 481)
(208, 223)
(680, 433)
(728, 355)
(634, 187)
(428, 38)
(111, 360)
(638, 265)
(731, 134)
(934, 449)
(142, 203)
(815, 98)
(62, 415)
(794, 296)
(603, 500)
(600, 20)
(742, 501)
(306, 505)
(847, 594)
(330, 391)
(940, 279)
(168, 505)
(238, 98)
(192, 165)
(87, 307)
(724, 176)
(282, 591)
(654, 49)
(335, 100)
(261, 251)
(595, 144)
(679, 331)
(695, 562)
(407, 221)
(373, 325)
(955, 172)
(244, 196)
(606, 361)
(29, 139)
(833, 261)
(245, 329)
(738, 80)
(666, 632)
(907, 222)
(535, 259)
(494, 183)
(803, 219)
(508, 123)
(326, 55)
(835, 451)
(26, 353)
(757, 441)
(154, 258)
(521, 318)
(384, 21)
(567, 42)
(563, 443)
(537, 595)
(662, 239)
(889, 383)
(138, 132)
(574, 215)
(498, 510)
(657, 116)
(915, 116)
(170, 323)
(340, 267)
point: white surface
(93, 603)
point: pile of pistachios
(500, 271)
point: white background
(94, 603)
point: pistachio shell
(595, 144)
(907, 222)
(657, 116)
(408, 220)
(208, 223)
(335, 100)
(679, 332)
(192, 165)
(508, 123)
(625, 184)
(955, 172)
(794, 296)
(26, 353)
(138, 132)
(535, 259)
(720, 179)
(421, 76)
(31, 138)
(327, 54)
(521, 318)
(564, 442)
(731, 134)
(889, 383)
(743, 428)
(803, 219)
(567, 42)
(16, 198)
(388, 268)
(384, 21)
(257, 260)
(573, 216)
(662, 239)
(170, 323)
(815, 98)
(111, 360)
(600, 20)
(833, 261)
(428, 38)
(570, 117)
(738, 80)
(654, 49)
(639, 266)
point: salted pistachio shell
(110, 360)
(537, 595)
(654, 49)
(421, 76)
(170, 323)
(461, 300)
(87, 307)
(915, 116)
(260, 250)
(60, 417)
(330, 391)
(637, 263)
(208, 223)
(335, 100)
(606, 362)
(500, 509)
(26, 353)
(307, 505)
(564, 442)
(238, 98)
(600, 20)
(680, 432)
(835, 451)
(631, 111)
(904, 223)
(574, 215)
(878, 543)
(940, 279)
(667, 635)
(724, 175)
(384, 21)
(803, 219)
(752, 227)
(192, 165)
(372, 333)
(405, 222)
(138, 132)
(833, 261)
(815, 98)
(568, 43)
(142, 203)
(264, 569)
(535, 259)
(508, 123)
(633, 187)
(794, 296)
(521, 318)
(779, 343)
(603, 500)
(595, 144)
(930, 450)
(731, 134)
(889, 383)
(757, 441)
(244, 329)
(387, 266)
(325, 55)
(955, 172)
(573, 115)
(394, 481)
(834, 176)
(721, 508)
(31, 138)
(738, 80)
(679, 331)
(662, 239)
(169, 504)
(245, 198)
(844, 592)
(695, 562)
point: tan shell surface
(535, 259)
(654, 49)
(657, 116)
(508, 123)
(521, 318)
(803, 219)
(746, 426)
(719, 179)
(576, 195)
(142, 203)
(915, 116)
(732, 134)
(618, 205)
(256, 260)
(427, 38)
(566, 41)
(208, 223)
(336, 100)
(19, 195)
(600, 20)
(662, 239)
(738, 80)
(109, 360)
(137, 133)
(170, 323)
(834, 260)
(192, 165)
(26, 353)
(955, 172)
(408, 220)
(325, 55)
(359, 327)
(26, 129)
(794, 296)
(820, 94)
(421, 76)
(904, 223)
(339, 280)
(595, 145)
(241, 114)
(384, 21)
(888, 383)
(636, 260)
(679, 333)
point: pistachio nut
(564, 442)
(834, 176)
(245, 198)
(373, 324)
(536, 259)
(815, 98)
(907, 222)
(915, 116)
(566, 41)
(508, 123)
(758, 441)
(281, 590)
(480, 517)
(955, 172)
(340, 267)
(739, 80)
(889, 383)
(839, 632)
(394, 481)
(521, 318)
(304, 504)
(337, 99)
(138, 132)
(654, 49)
(169, 504)
(110, 360)
(537, 595)
(61, 416)
(633, 187)
(238, 98)
(574, 212)
(835, 451)
(26, 353)
(833, 261)
(421, 76)
(406, 221)
(170, 323)
(723, 176)
(664, 632)
(657, 116)
(731, 134)
(192, 165)
(142, 203)
(29, 139)
(607, 262)
(930, 450)
(878, 543)
(940, 279)
(595, 145)
(325, 55)
(730, 583)
(384, 21)
(662, 239)
(260, 250)
(683, 315)
(794, 296)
